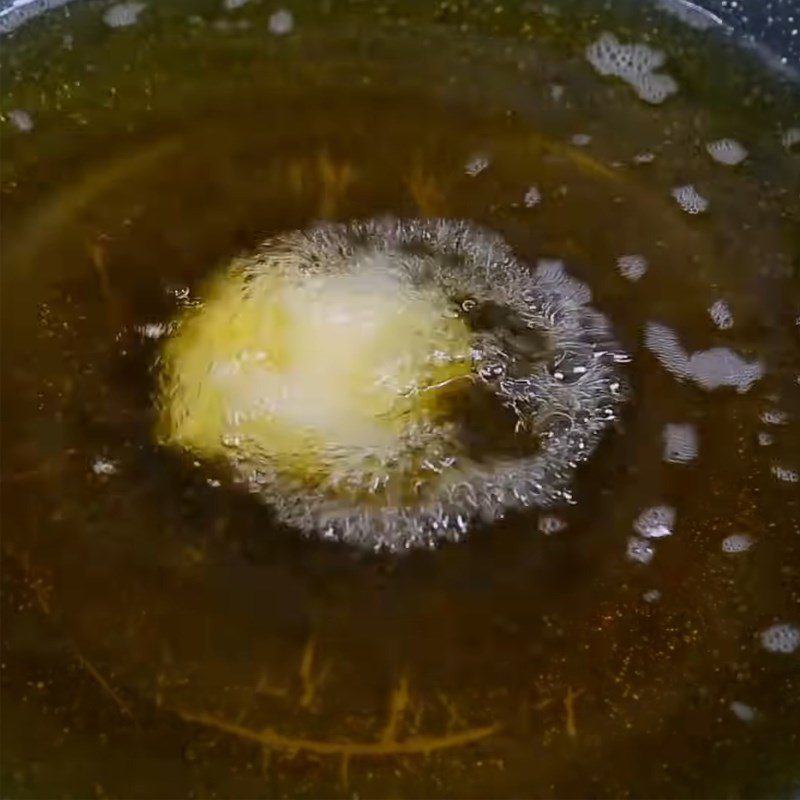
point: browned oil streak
(569, 709)
(277, 741)
(101, 681)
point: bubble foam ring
(350, 376)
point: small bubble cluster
(152, 330)
(689, 199)
(655, 522)
(123, 15)
(742, 711)
(634, 64)
(640, 550)
(785, 474)
(774, 416)
(476, 165)
(281, 22)
(721, 315)
(737, 543)
(727, 151)
(550, 524)
(680, 443)
(709, 369)
(21, 120)
(104, 466)
(781, 638)
(532, 197)
(632, 267)
(791, 138)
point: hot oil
(158, 616)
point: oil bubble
(781, 638)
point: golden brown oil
(164, 637)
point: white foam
(634, 64)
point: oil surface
(164, 636)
